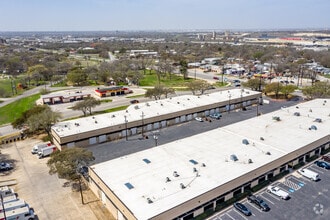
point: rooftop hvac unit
(233, 157)
(149, 200)
(313, 127)
(296, 114)
(175, 174)
(182, 186)
(245, 141)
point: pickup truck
(278, 192)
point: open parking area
(308, 199)
(49, 196)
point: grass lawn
(175, 81)
(12, 111)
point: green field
(175, 81)
(12, 111)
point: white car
(278, 192)
(199, 119)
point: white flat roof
(148, 109)
(213, 148)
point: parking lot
(49, 196)
(308, 199)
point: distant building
(112, 91)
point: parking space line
(298, 180)
(316, 168)
(241, 214)
(230, 216)
(255, 207)
(275, 197)
(267, 199)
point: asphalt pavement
(110, 150)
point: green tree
(65, 163)
(77, 77)
(286, 90)
(36, 72)
(68, 163)
(254, 84)
(184, 69)
(318, 90)
(86, 105)
(274, 87)
(39, 118)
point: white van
(36, 148)
(9, 199)
(20, 203)
(24, 213)
(309, 174)
(6, 191)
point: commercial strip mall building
(149, 116)
(184, 178)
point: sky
(122, 15)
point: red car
(326, 158)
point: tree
(254, 84)
(86, 105)
(274, 87)
(68, 164)
(318, 90)
(36, 72)
(184, 69)
(286, 90)
(77, 77)
(65, 163)
(158, 91)
(38, 118)
(198, 85)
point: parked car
(242, 208)
(278, 192)
(215, 77)
(259, 202)
(322, 164)
(199, 119)
(5, 166)
(134, 101)
(326, 158)
(216, 115)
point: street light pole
(258, 107)
(142, 115)
(242, 90)
(126, 126)
(229, 96)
